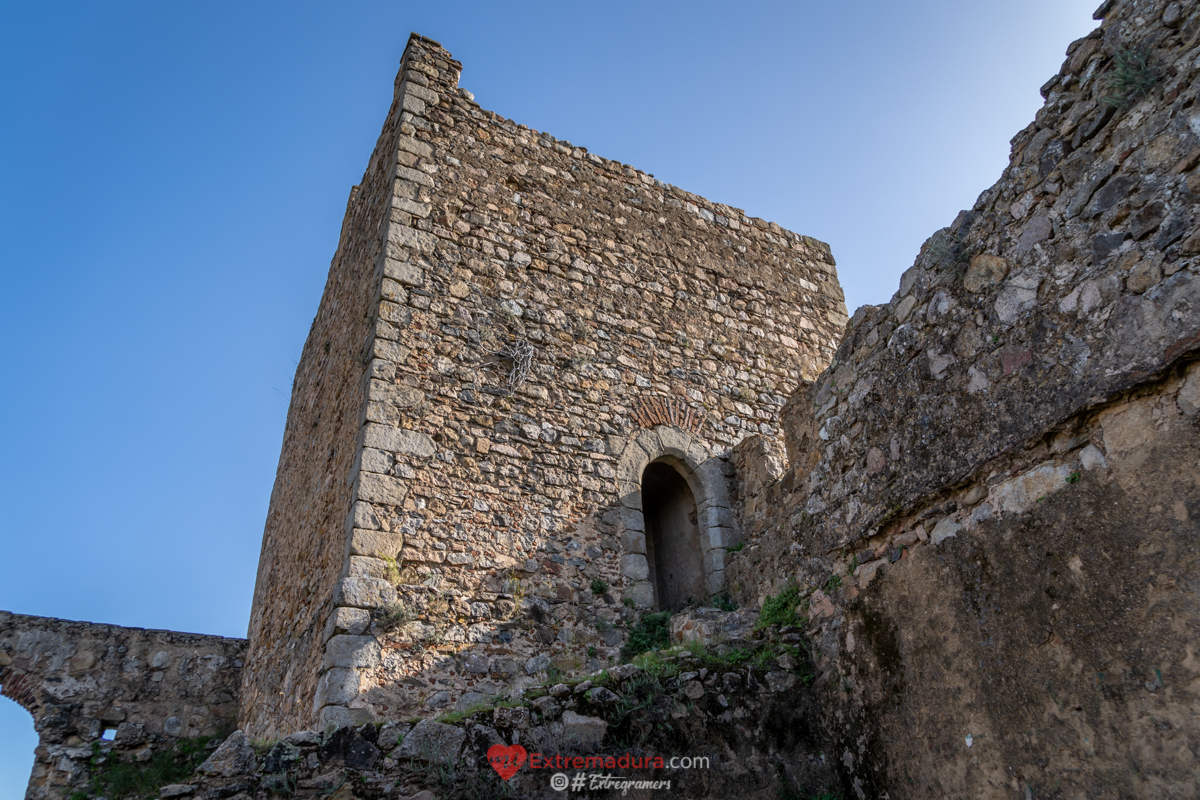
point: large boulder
(348, 745)
(233, 757)
(582, 732)
(434, 742)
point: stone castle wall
(80, 681)
(304, 541)
(546, 323)
(991, 495)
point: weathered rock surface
(993, 483)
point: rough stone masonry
(545, 393)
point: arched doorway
(705, 477)
(673, 550)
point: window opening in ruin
(672, 538)
(108, 734)
(17, 742)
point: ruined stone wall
(304, 540)
(548, 322)
(744, 729)
(80, 681)
(991, 500)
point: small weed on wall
(1133, 75)
(780, 609)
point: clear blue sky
(173, 177)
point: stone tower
(510, 427)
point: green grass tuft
(780, 609)
(118, 779)
(653, 632)
(453, 717)
(392, 616)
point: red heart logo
(506, 759)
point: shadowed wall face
(672, 537)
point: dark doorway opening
(672, 538)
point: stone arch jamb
(708, 478)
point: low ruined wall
(991, 497)
(82, 682)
